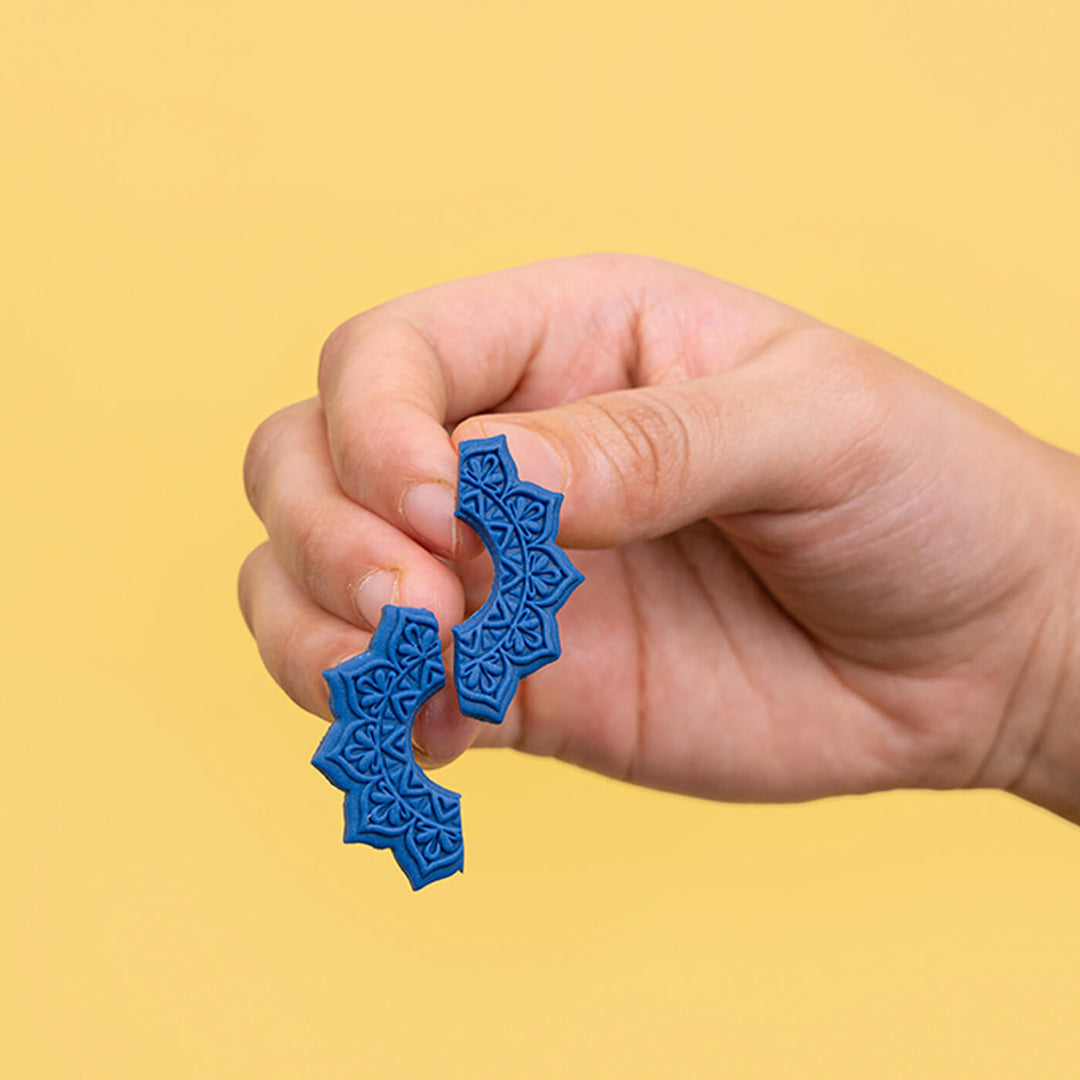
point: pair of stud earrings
(390, 802)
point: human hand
(810, 568)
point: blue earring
(515, 632)
(389, 800)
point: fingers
(298, 640)
(392, 380)
(797, 428)
(345, 558)
(388, 392)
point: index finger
(395, 379)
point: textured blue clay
(515, 632)
(367, 752)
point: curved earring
(515, 631)
(389, 800)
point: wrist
(1049, 768)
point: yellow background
(192, 196)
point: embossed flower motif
(527, 634)
(530, 514)
(374, 688)
(515, 631)
(433, 842)
(486, 672)
(360, 752)
(389, 801)
(419, 651)
(386, 808)
(550, 579)
(485, 471)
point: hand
(810, 568)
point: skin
(811, 569)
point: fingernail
(373, 594)
(429, 510)
(534, 455)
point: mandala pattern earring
(515, 632)
(367, 752)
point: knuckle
(290, 663)
(245, 583)
(307, 649)
(859, 375)
(351, 449)
(364, 451)
(312, 554)
(330, 354)
(860, 384)
(258, 448)
(648, 443)
(342, 343)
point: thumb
(776, 434)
